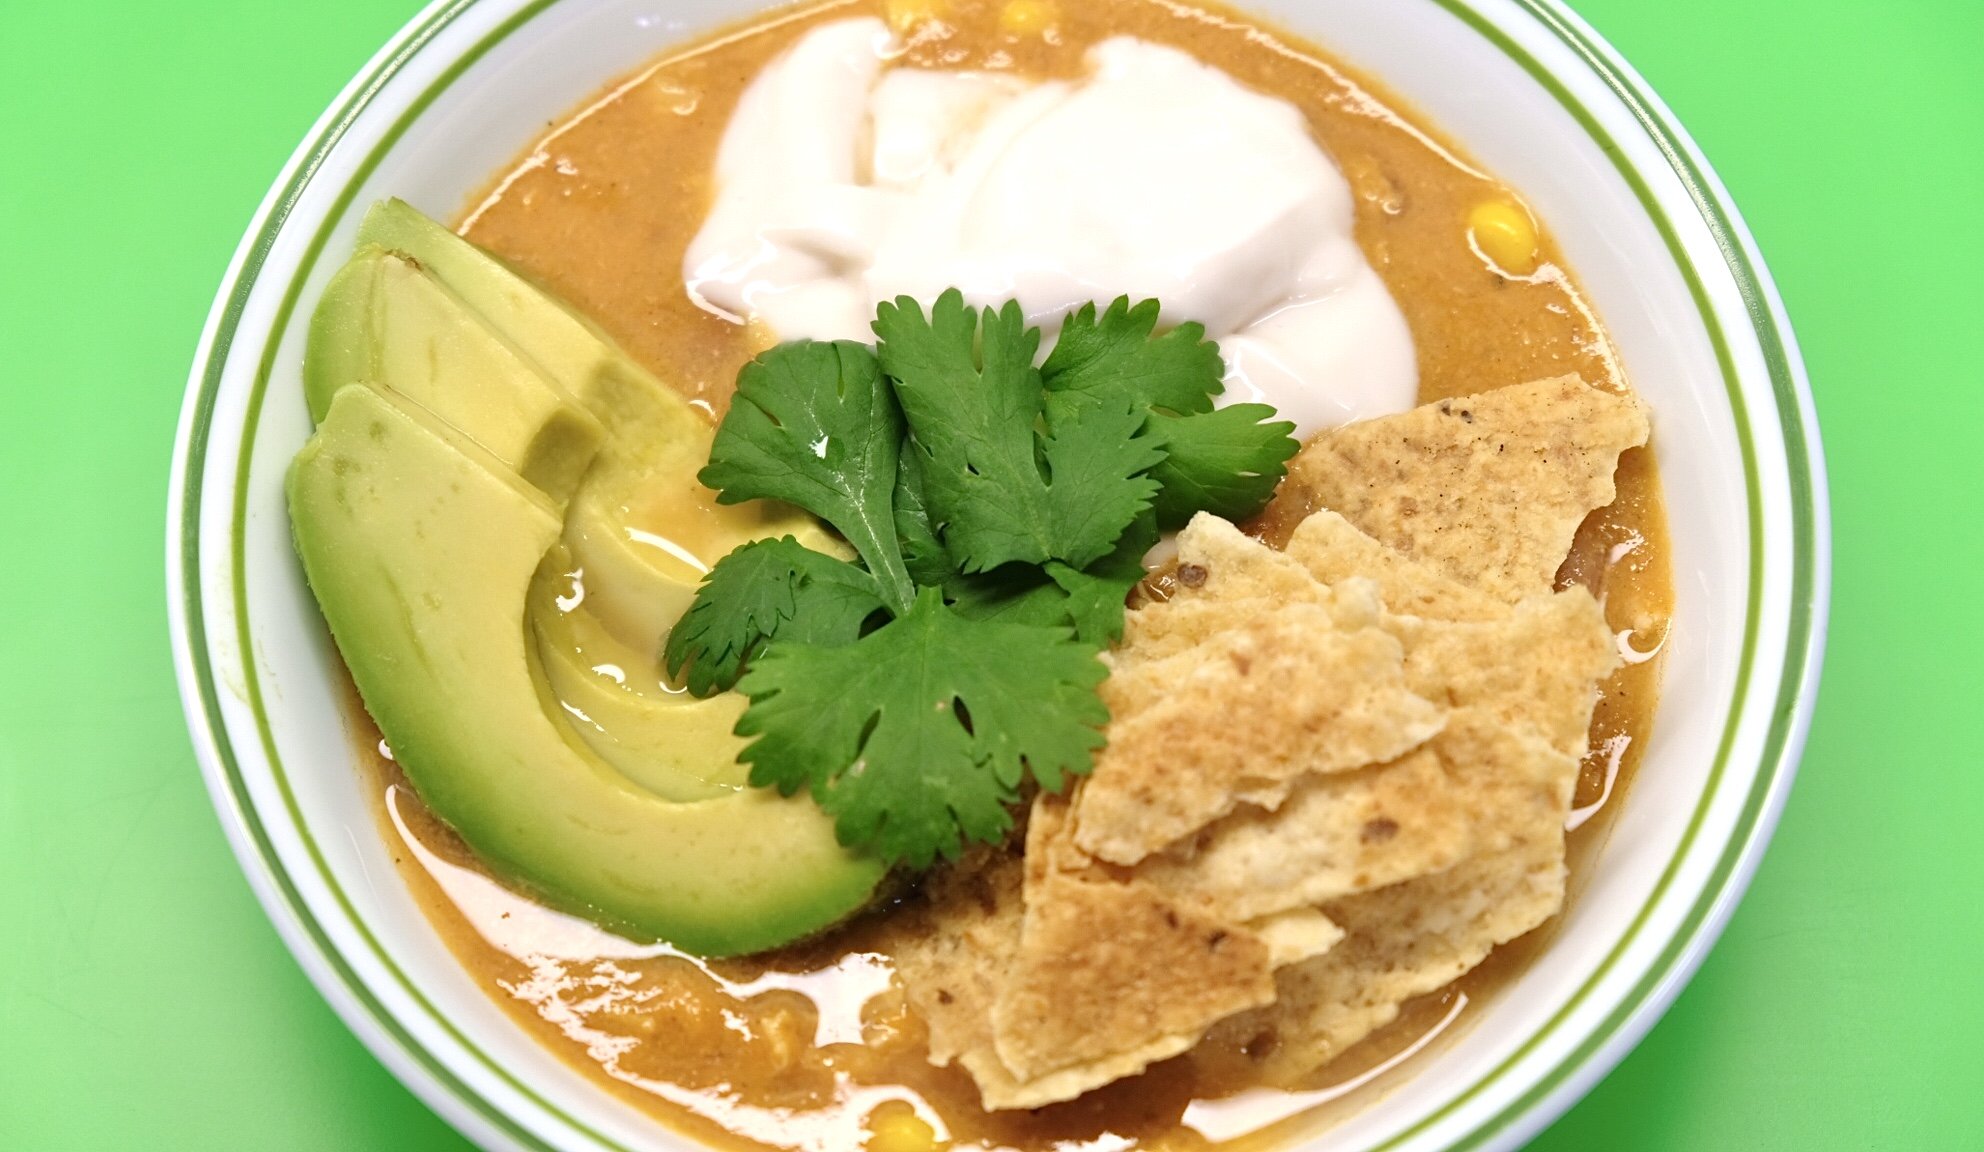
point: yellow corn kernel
(1505, 234)
(893, 1127)
(1028, 17)
(906, 14)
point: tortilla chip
(1050, 835)
(1048, 941)
(1539, 665)
(999, 1090)
(1239, 718)
(1295, 935)
(1292, 932)
(1184, 623)
(1180, 625)
(1518, 785)
(1334, 552)
(1335, 835)
(1399, 942)
(1489, 489)
(1411, 938)
(1108, 970)
(957, 947)
(954, 962)
(1235, 576)
(1336, 779)
(1234, 566)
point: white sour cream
(843, 181)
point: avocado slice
(385, 321)
(621, 704)
(562, 342)
(679, 748)
(684, 751)
(421, 548)
(638, 583)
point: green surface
(144, 1001)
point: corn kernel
(893, 1127)
(906, 14)
(1504, 233)
(1028, 17)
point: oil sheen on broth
(811, 1047)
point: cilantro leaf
(1009, 594)
(973, 399)
(815, 424)
(1096, 594)
(1090, 600)
(766, 588)
(1094, 603)
(923, 554)
(971, 402)
(917, 736)
(1114, 359)
(1226, 462)
(1098, 460)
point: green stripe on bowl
(313, 155)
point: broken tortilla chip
(1411, 938)
(955, 948)
(1223, 575)
(1238, 719)
(1108, 970)
(1335, 552)
(1337, 776)
(1047, 942)
(1335, 835)
(1217, 561)
(1537, 666)
(1358, 831)
(1296, 935)
(1489, 489)
(1399, 942)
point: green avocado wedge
(681, 750)
(421, 549)
(385, 321)
(618, 700)
(559, 340)
(639, 582)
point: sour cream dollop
(843, 181)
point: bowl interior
(471, 85)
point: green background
(144, 1001)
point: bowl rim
(1512, 1121)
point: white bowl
(1523, 84)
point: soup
(817, 1045)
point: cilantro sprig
(761, 588)
(1000, 512)
(974, 402)
(816, 425)
(924, 729)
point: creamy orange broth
(601, 209)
